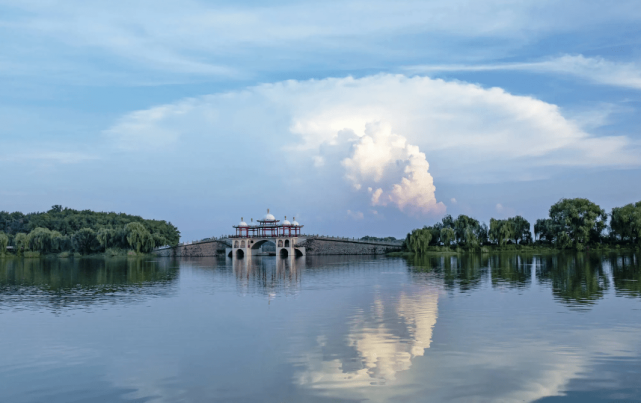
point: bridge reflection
(271, 276)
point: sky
(357, 118)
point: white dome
(286, 222)
(269, 217)
(242, 223)
(295, 223)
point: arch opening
(230, 254)
(287, 243)
(258, 244)
(298, 253)
(240, 254)
(284, 253)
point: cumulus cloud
(594, 69)
(372, 137)
(381, 156)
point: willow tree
(21, 241)
(40, 239)
(419, 240)
(447, 236)
(501, 231)
(106, 237)
(139, 238)
(4, 241)
(520, 229)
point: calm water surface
(508, 328)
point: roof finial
(252, 220)
(267, 211)
(285, 217)
(294, 218)
(241, 219)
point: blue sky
(359, 118)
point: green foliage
(625, 223)
(139, 238)
(373, 238)
(418, 240)
(4, 241)
(63, 230)
(543, 230)
(447, 236)
(21, 241)
(501, 231)
(84, 241)
(576, 221)
(67, 222)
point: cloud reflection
(386, 337)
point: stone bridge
(312, 244)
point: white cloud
(453, 200)
(356, 215)
(381, 156)
(499, 207)
(594, 69)
(340, 135)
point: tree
(21, 241)
(625, 222)
(543, 229)
(84, 241)
(418, 240)
(501, 231)
(139, 238)
(577, 222)
(465, 228)
(520, 229)
(482, 233)
(447, 235)
(4, 241)
(40, 239)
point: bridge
(310, 245)
(286, 237)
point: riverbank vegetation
(577, 224)
(69, 232)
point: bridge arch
(298, 253)
(240, 254)
(257, 245)
(284, 253)
(287, 243)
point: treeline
(373, 238)
(67, 230)
(572, 223)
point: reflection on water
(576, 279)
(67, 283)
(266, 275)
(503, 327)
(383, 339)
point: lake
(473, 328)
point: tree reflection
(511, 270)
(575, 278)
(626, 274)
(459, 272)
(60, 283)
